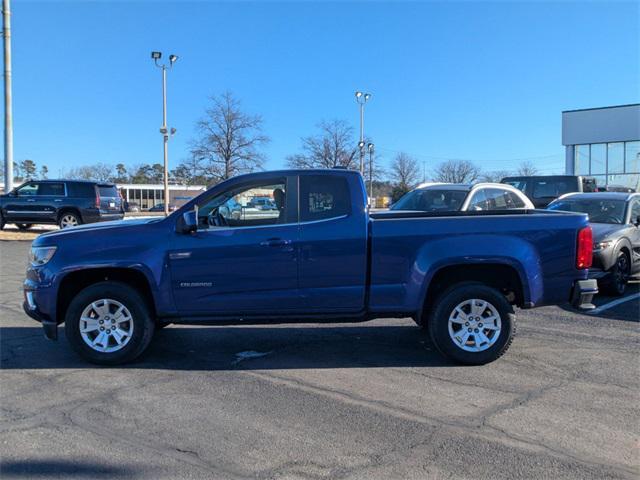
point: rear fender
(465, 250)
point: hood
(100, 226)
(605, 231)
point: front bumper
(583, 292)
(35, 305)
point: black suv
(544, 189)
(63, 202)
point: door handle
(31, 199)
(275, 242)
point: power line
(503, 160)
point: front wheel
(472, 324)
(109, 323)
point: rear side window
(478, 201)
(322, 197)
(514, 200)
(81, 190)
(551, 188)
(108, 191)
(56, 189)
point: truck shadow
(242, 348)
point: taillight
(98, 199)
(584, 254)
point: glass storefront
(616, 163)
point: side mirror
(189, 222)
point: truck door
(333, 243)
(243, 259)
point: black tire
(444, 306)
(616, 282)
(2, 223)
(24, 226)
(65, 217)
(143, 324)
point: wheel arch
(73, 282)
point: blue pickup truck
(319, 256)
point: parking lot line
(612, 304)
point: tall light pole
(362, 98)
(164, 130)
(371, 147)
(8, 111)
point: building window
(598, 158)
(615, 157)
(632, 157)
(582, 160)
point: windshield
(439, 200)
(599, 210)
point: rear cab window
(323, 197)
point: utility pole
(164, 130)
(362, 98)
(371, 149)
(8, 110)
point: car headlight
(41, 255)
(602, 245)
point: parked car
(447, 197)
(132, 207)
(543, 189)
(159, 207)
(458, 275)
(615, 188)
(231, 209)
(67, 203)
(262, 203)
(615, 219)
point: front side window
(514, 200)
(635, 211)
(28, 190)
(497, 199)
(431, 200)
(323, 197)
(238, 207)
(519, 184)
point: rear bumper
(583, 292)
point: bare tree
(333, 146)
(456, 171)
(494, 176)
(100, 172)
(527, 169)
(405, 171)
(229, 140)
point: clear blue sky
(475, 80)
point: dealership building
(147, 196)
(604, 143)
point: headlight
(40, 255)
(602, 245)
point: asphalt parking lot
(370, 401)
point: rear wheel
(69, 219)
(109, 323)
(1, 221)
(472, 323)
(24, 226)
(619, 274)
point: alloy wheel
(106, 325)
(474, 325)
